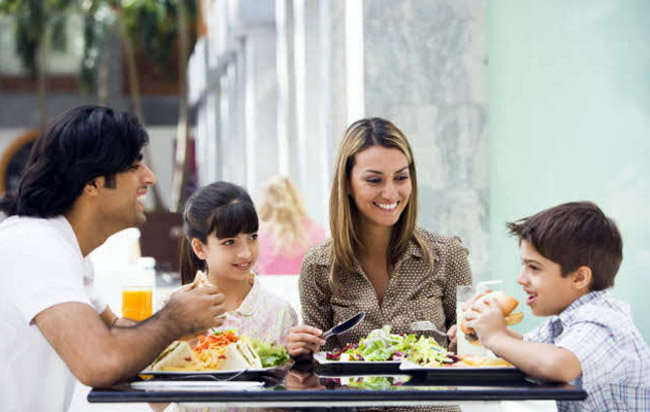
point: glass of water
(465, 293)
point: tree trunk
(41, 72)
(103, 71)
(134, 88)
(180, 173)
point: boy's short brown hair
(572, 235)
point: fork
(426, 326)
(203, 377)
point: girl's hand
(304, 340)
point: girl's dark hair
(222, 208)
(80, 145)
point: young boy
(570, 255)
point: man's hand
(100, 355)
(96, 354)
(192, 309)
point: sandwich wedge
(241, 355)
(177, 356)
(507, 305)
(200, 279)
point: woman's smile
(386, 206)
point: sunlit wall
(570, 120)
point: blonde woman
(378, 260)
(286, 232)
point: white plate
(208, 372)
(196, 385)
(321, 357)
(492, 373)
(409, 366)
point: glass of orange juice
(137, 302)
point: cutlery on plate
(206, 377)
(426, 326)
(345, 326)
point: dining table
(310, 385)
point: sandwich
(241, 355)
(200, 279)
(177, 356)
(507, 305)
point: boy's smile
(548, 292)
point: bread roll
(507, 305)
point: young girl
(220, 246)
(220, 226)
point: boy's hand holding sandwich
(495, 308)
(485, 319)
(540, 360)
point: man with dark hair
(570, 255)
(84, 181)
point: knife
(345, 326)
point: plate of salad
(385, 352)
(428, 359)
(380, 351)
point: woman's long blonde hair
(344, 216)
(283, 215)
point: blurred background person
(286, 232)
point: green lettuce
(271, 354)
(381, 345)
(426, 351)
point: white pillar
(426, 70)
(261, 128)
(286, 84)
(354, 59)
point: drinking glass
(463, 294)
(137, 302)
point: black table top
(307, 386)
